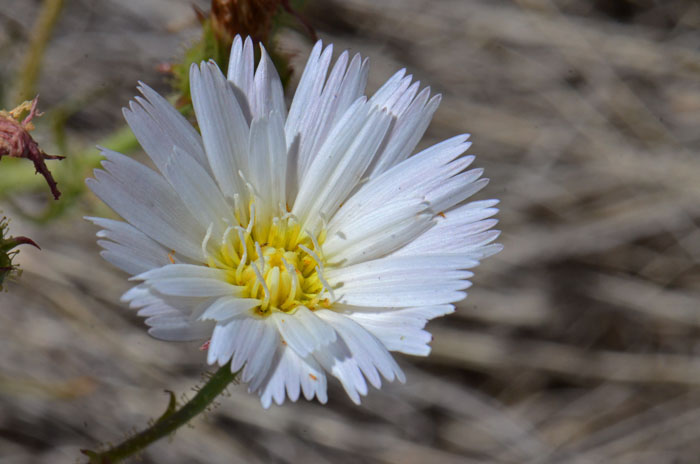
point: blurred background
(579, 343)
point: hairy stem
(169, 422)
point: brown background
(578, 344)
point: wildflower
(16, 142)
(295, 244)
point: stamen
(324, 220)
(250, 187)
(224, 238)
(324, 228)
(251, 222)
(239, 212)
(242, 237)
(261, 257)
(225, 242)
(244, 257)
(205, 242)
(262, 282)
(295, 283)
(227, 221)
(317, 247)
(325, 284)
(312, 254)
(227, 251)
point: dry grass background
(578, 344)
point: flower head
(297, 243)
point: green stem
(169, 422)
(29, 75)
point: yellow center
(280, 265)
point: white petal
(337, 359)
(404, 278)
(385, 241)
(240, 73)
(351, 88)
(471, 212)
(303, 331)
(325, 108)
(197, 190)
(180, 330)
(400, 330)
(221, 344)
(223, 126)
(395, 84)
(384, 217)
(400, 103)
(406, 133)
(127, 259)
(312, 379)
(404, 294)
(350, 167)
(227, 307)
(455, 190)
(159, 127)
(129, 249)
(267, 158)
(344, 133)
(416, 316)
(371, 356)
(413, 178)
(195, 287)
(156, 309)
(401, 265)
(462, 231)
(149, 251)
(339, 166)
(260, 359)
(302, 118)
(138, 296)
(243, 340)
(268, 92)
(170, 271)
(144, 199)
(323, 332)
(293, 374)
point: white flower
(301, 243)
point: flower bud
(245, 17)
(16, 142)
